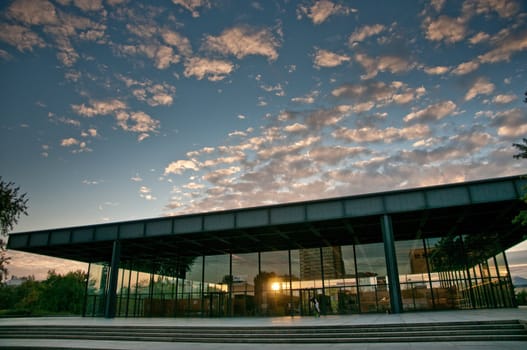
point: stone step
(430, 332)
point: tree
(521, 218)
(12, 205)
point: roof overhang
(485, 207)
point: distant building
(15, 281)
(418, 261)
(311, 267)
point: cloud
(437, 4)
(244, 41)
(156, 94)
(324, 58)
(321, 10)
(178, 167)
(69, 142)
(365, 32)
(146, 193)
(504, 99)
(296, 128)
(33, 12)
(510, 124)
(193, 5)
(162, 55)
(180, 42)
(97, 107)
(465, 68)
(333, 155)
(136, 178)
(213, 70)
(481, 87)
(88, 5)
(504, 8)
(20, 37)
(479, 38)
(448, 29)
(378, 92)
(307, 99)
(392, 64)
(91, 132)
(138, 122)
(387, 135)
(432, 113)
(506, 44)
(61, 27)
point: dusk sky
(118, 110)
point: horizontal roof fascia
(434, 197)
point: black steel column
(391, 265)
(86, 296)
(111, 293)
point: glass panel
(189, 300)
(506, 287)
(141, 296)
(98, 279)
(447, 261)
(333, 268)
(273, 282)
(413, 275)
(244, 272)
(371, 266)
(217, 281)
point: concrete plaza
(365, 319)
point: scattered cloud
(387, 135)
(466, 67)
(324, 58)
(99, 107)
(504, 99)
(445, 28)
(480, 87)
(244, 41)
(193, 5)
(213, 70)
(20, 37)
(138, 122)
(431, 113)
(321, 10)
(510, 124)
(180, 166)
(146, 193)
(307, 99)
(365, 32)
(373, 66)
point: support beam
(111, 293)
(391, 265)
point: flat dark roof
(484, 207)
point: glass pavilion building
(431, 248)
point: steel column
(111, 293)
(391, 265)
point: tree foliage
(521, 218)
(12, 205)
(58, 294)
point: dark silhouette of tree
(521, 218)
(522, 148)
(12, 205)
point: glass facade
(435, 273)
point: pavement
(408, 317)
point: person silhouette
(316, 306)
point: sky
(118, 110)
